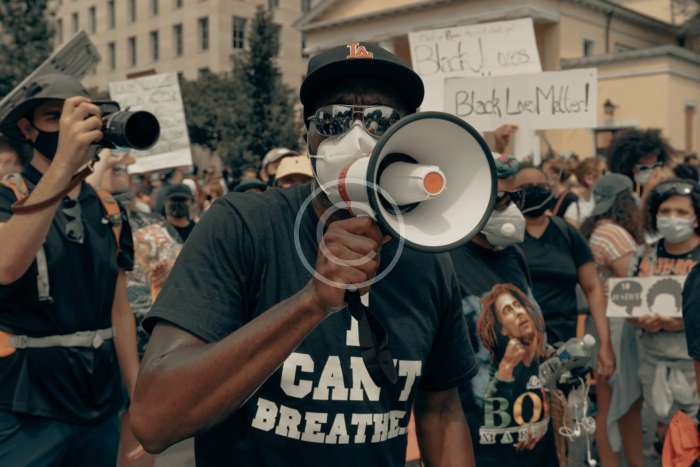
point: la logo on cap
(356, 50)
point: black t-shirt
(71, 384)
(554, 259)
(691, 311)
(184, 232)
(320, 406)
(496, 410)
(569, 198)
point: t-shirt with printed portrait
(320, 407)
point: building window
(177, 38)
(278, 33)
(238, 32)
(112, 55)
(59, 30)
(111, 18)
(154, 7)
(75, 22)
(588, 47)
(305, 5)
(132, 10)
(273, 4)
(203, 33)
(155, 53)
(303, 47)
(178, 3)
(203, 71)
(132, 51)
(93, 20)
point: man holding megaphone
(255, 354)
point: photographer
(273, 371)
(65, 320)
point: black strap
(374, 342)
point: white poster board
(549, 100)
(160, 95)
(481, 50)
(639, 296)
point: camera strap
(20, 206)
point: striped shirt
(610, 242)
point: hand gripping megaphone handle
(374, 342)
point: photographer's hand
(79, 127)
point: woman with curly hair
(614, 232)
(638, 154)
(673, 210)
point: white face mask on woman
(676, 229)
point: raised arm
(22, 235)
(443, 434)
(187, 385)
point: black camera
(123, 128)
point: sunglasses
(336, 119)
(681, 188)
(642, 167)
(73, 227)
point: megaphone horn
(436, 170)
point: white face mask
(505, 227)
(336, 152)
(642, 176)
(676, 229)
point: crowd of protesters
(534, 278)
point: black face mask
(46, 143)
(535, 200)
(178, 209)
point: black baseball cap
(359, 60)
(249, 185)
(178, 191)
(46, 87)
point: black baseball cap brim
(53, 86)
(336, 65)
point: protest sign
(76, 58)
(640, 296)
(481, 50)
(160, 95)
(551, 100)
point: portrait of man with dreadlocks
(515, 410)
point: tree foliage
(26, 39)
(243, 114)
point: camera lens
(138, 130)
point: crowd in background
(633, 212)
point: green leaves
(243, 114)
(26, 39)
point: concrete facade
(657, 89)
(149, 24)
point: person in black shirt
(259, 359)
(178, 209)
(559, 260)
(491, 267)
(691, 319)
(65, 323)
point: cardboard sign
(639, 296)
(550, 100)
(481, 50)
(160, 95)
(78, 56)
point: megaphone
(430, 180)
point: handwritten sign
(639, 296)
(160, 95)
(551, 100)
(481, 50)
